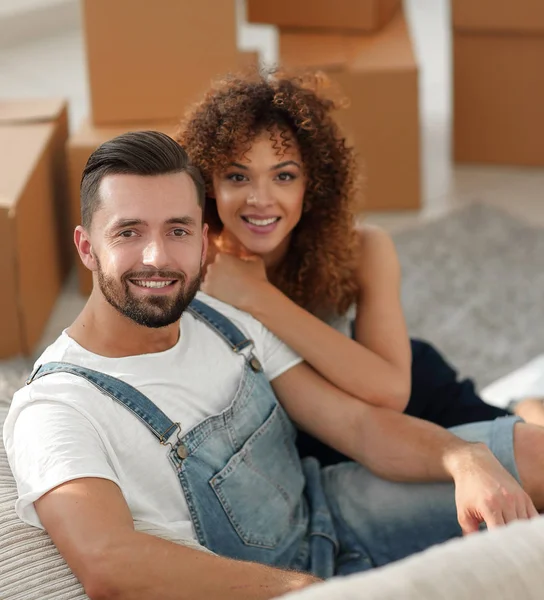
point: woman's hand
(237, 281)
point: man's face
(148, 246)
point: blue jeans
(379, 521)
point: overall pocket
(261, 486)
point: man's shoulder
(241, 319)
(55, 385)
(55, 352)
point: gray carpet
(473, 284)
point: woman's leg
(439, 396)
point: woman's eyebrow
(286, 163)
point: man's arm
(91, 525)
(402, 448)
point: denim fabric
(250, 496)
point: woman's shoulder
(377, 253)
(375, 241)
(372, 235)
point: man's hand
(485, 492)
(236, 281)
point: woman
(281, 185)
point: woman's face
(260, 195)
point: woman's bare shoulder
(375, 240)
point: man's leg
(379, 521)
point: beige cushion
(503, 564)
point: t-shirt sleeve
(50, 443)
(277, 357)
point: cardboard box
(379, 75)
(31, 162)
(80, 146)
(506, 16)
(498, 82)
(51, 110)
(355, 15)
(148, 60)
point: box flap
(314, 50)
(506, 16)
(390, 49)
(20, 150)
(29, 111)
(357, 16)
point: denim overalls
(251, 498)
(239, 470)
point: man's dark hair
(134, 153)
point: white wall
(8, 7)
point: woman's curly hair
(318, 273)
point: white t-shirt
(61, 427)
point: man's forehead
(120, 185)
(148, 199)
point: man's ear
(204, 245)
(82, 241)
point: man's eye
(127, 233)
(179, 232)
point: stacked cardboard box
(33, 258)
(379, 75)
(498, 55)
(355, 15)
(147, 62)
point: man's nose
(155, 255)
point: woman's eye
(286, 176)
(236, 177)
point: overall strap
(141, 406)
(220, 324)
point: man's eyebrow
(120, 223)
(185, 220)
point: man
(145, 411)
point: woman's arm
(374, 368)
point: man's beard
(151, 311)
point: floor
(55, 66)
